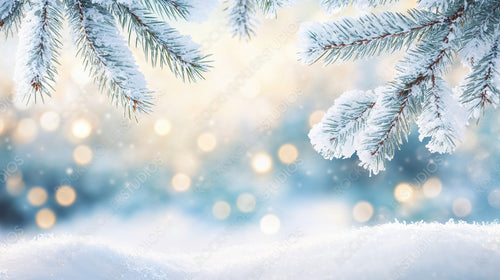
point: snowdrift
(390, 251)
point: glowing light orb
(45, 218)
(270, 224)
(403, 192)
(181, 182)
(221, 210)
(262, 163)
(207, 142)
(288, 153)
(432, 187)
(316, 117)
(461, 207)
(15, 184)
(26, 131)
(65, 196)
(362, 211)
(82, 155)
(246, 202)
(37, 196)
(494, 198)
(162, 127)
(50, 120)
(81, 128)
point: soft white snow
(390, 251)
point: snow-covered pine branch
(271, 7)
(241, 18)
(39, 43)
(334, 6)
(369, 35)
(104, 51)
(173, 9)
(10, 15)
(434, 34)
(338, 133)
(106, 55)
(482, 85)
(445, 132)
(161, 43)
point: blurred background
(228, 153)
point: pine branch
(397, 108)
(271, 7)
(337, 133)
(333, 6)
(172, 9)
(106, 56)
(241, 18)
(11, 12)
(163, 44)
(39, 44)
(442, 118)
(369, 35)
(482, 84)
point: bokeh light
(403, 192)
(461, 207)
(270, 224)
(37, 196)
(316, 117)
(432, 187)
(207, 142)
(362, 211)
(45, 218)
(181, 182)
(15, 184)
(262, 163)
(494, 198)
(246, 202)
(65, 195)
(50, 120)
(26, 131)
(81, 128)
(288, 153)
(221, 210)
(162, 127)
(82, 155)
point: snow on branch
(170, 8)
(418, 94)
(10, 15)
(442, 118)
(161, 43)
(242, 19)
(338, 132)
(334, 6)
(369, 35)
(107, 57)
(271, 7)
(482, 85)
(39, 43)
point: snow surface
(390, 251)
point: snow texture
(390, 251)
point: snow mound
(390, 251)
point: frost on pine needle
(104, 52)
(241, 18)
(338, 132)
(242, 14)
(39, 42)
(10, 15)
(444, 132)
(432, 37)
